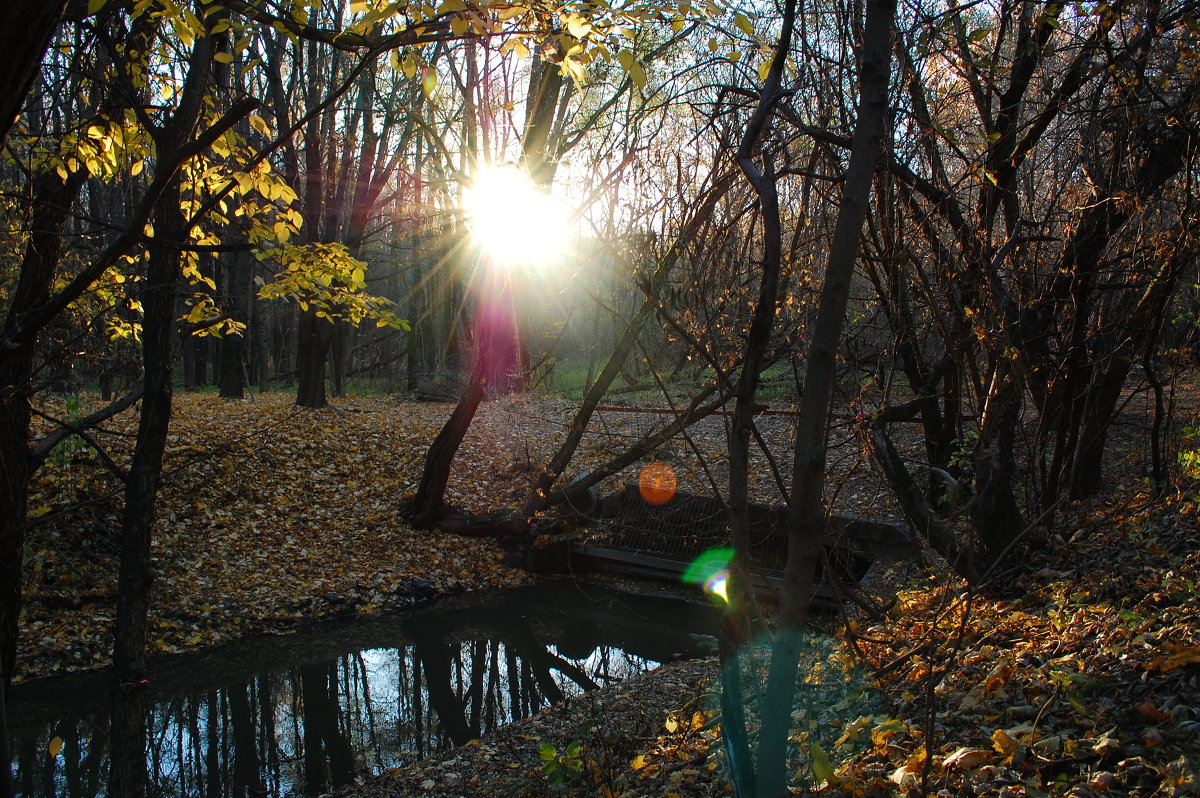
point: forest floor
(1084, 680)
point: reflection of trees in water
(298, 729)
(84, 760)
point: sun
(512, 221)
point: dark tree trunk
(735, 629)
(430, 651)
(198, 349)
(158, 329)
(1100, 404)
(314, 335)
(212, 741)
(806, 508)
(7, 787)
(339, 358)
(996, 517)
(232, 380)
(25, 30)
(261, 330)
(428, 503)
(808, 466)
(322, 734)
(37, 272)
(546, 83)
(312, 351)
(133, 587)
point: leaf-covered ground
(1086, 681)
(270, 516)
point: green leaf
(743, 24)
(818, 760)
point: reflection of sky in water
(296, 730)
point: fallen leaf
(966, 758)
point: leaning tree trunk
(806, 510)
(428, 503)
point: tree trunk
(805, 506)
(37, 272)
(312, 351)
(806, 509)
(997, 519)
(339, 358)
(198, 348)
(25, 30)
(428, 503)
(133, 587)
(1099, 407)
(233, 346)
(261, 329)
(141, 487)
(313, 334)
(735, 624)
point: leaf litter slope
(1087, 684)
(269, 515)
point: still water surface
(301, 714)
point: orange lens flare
(657, 484)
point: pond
(303, 713)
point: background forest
(980, 217)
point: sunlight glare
(717, 586)
(513, 221)
(711, 572)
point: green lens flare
(711, 571)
